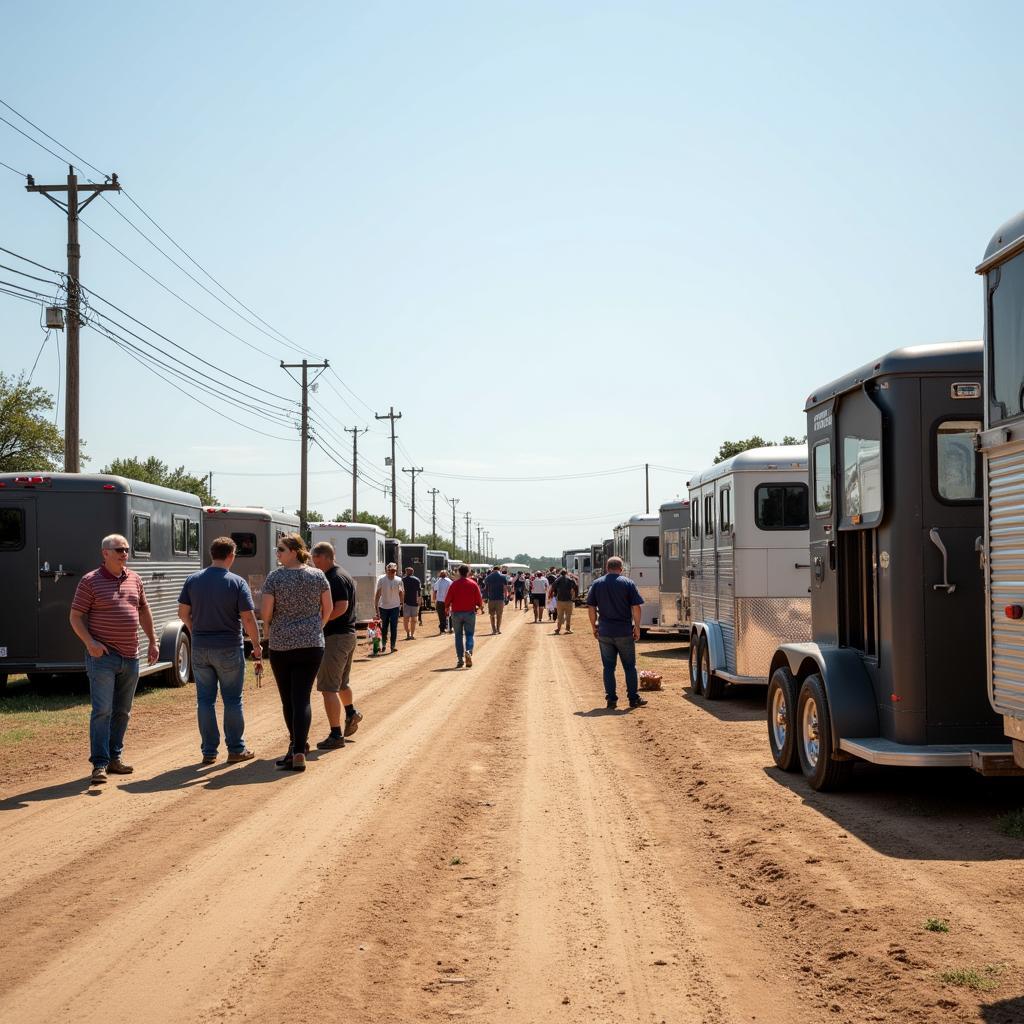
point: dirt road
(494, 846)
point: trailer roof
(642, 519)
(347, 526)
(86, 482)
(1006, 242)
(914, 361)
(755, 460)
(669, 505)
(252, 512)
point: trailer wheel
(782, 700)
(3, 682)
(714, 688)
(696, 688)
(180, 671)
(814, 738)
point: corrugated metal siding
(1006, 580)
(162, 592)
(727, 604)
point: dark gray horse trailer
(895, 672)
(673, 585)
(393, 553)
(51, 526)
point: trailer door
(19, 569)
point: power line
(30, 139)
(18, 256)
(10, 168)
(536, 479)
(51, 138)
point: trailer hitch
(945, 585)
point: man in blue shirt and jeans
(613, 604)
(214, 605)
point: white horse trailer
(673, 586)
(637, 542)
(360, 550)
(583, 569)
(749, 569)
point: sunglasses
(120, 551)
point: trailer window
(725, 511)
(246, 544)
(193, 536)
(672, 544)
(1006, 330)
(862, 476)
(823, 478)
(956, 462)
(709, 515)
(142, 536)
(12, 529)
(357, 547)
(651, 547)
(179, 535)
(781, 506)
(695, 519)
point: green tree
(312, 516)
(28, 438)
(154, 471)
(730, 448)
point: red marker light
(108, 487)
(1014, 611)
(895, 698)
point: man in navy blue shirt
(613, 604)
(214, 605)
(495, 587)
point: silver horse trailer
(583, 569)
(637, 542)
(749, 567)
(51, 525)
(674, 601)
(360, 549)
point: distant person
(613, 604)
(412, 594)
(295, 607)
(215, 605)
(439, 588)
(495, 585)
(388, 602)
(463, 601)
(538, 595)
(519, 589)
(107, 609)
(564, 591)
(334, 678)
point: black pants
(442, 618)
(294, 672)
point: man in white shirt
(388, 602)
(439, 588)
(539, 596)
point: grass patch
(454, 861)
(983, 980)
(935, 924)
(1012, 824)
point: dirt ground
(494, 846)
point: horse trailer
(393, 552)
(895, 673)
(637, 542)
(1002, 451)
(673, 585)
(361, 550)
(748, 565)
(436, 561)
(583, 569)
(51, 526)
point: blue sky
(559, 237)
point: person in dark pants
(613, 604)
(440, 591)
(388, 601)
(295, 607)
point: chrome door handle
(945, 585)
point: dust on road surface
(494, 846)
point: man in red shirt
(108, 607)
(461, 603)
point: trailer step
(995, 764)
(925, 755)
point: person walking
(295, 607)
(388, 602)
(538, 595)
(439, 588)
(613, 604)
(564, 590)
(334, 678)
(495, 584)
(412, 595)
(463, 601)
(518, 589)
(108, 607)
(215, 605)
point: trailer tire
(694, 659)
(3, 682)
(814, 739)
(180, 672)
(782, 701)
(714, 688)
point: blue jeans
(112, 682)
(623, 648)
(389, 620)
(225, 665)
(464, 622)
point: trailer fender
(168, 639)
(712, 631)
(851, 697)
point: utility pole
(355, 432)
(392, 415)
(647, 485)
(72, 208)
(468, 552)
(433, 492)
(305, 366)
(412, 472)
(455, 540)
(209, 484)
(479, 550)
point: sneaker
(331, 743)
(394, 650)
(118, 767)
(99, 775)
(298, 763)
(352, 721)
(557, 631)
(611, 705)
(284, 762)
(242, 755)
(460, 663)
(568, 631)
(469, 659)
(638, 702)
(209, 758)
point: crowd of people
(308, 614)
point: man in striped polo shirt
(109, 604)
